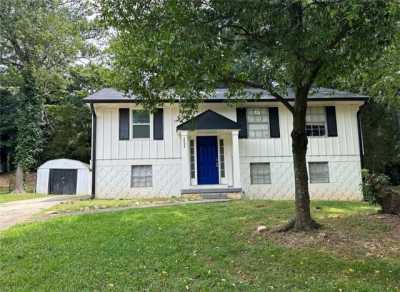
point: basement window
(319, 172)
(260, 173)
(141, 176)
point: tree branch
(278, 97)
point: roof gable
(209, 120)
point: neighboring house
(227, 148)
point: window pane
(141, 131)
(260, 173)
(258, 123)
(319, 172)
(192, 162)
(140, 117)
(141, 176)
(258, 130)
(316, 122)
(258, 115)
(222, 157)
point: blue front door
(207, 160)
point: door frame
(197, 162)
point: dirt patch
(375, 235)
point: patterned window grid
(222, 157)
(141, 176)
(140, 124)
(192, 160)
(316, 122)
(260, 173)
(258, 123)
(319, 172)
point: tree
(192, 46)
(8, 129)
(68, 121)
(38, 39)
(380, 119)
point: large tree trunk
(19, 180)
(302, 220)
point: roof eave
(360, 98)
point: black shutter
(124, 123)
(158, 124)
(242, 121)
(274, 122)
(331, 121)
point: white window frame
(311, 120)
(268, 179)
(142, 177)
(320, 179)
(138, 124)
(264, 109)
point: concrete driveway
(22, 211)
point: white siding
(115, 157)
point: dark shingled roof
(110, 95)
(209, 120)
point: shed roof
(209, 120)
(64, 164)
(110, 95)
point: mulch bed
(342, 238)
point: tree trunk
(302, 220)
(19, 180)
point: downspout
(360, 135)
(94, 134)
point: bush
(372, 185)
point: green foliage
(193, 46)
(381, 123)
(68, 121)
(39, 40)
(8, 107)
(67, 133)
(372, 185)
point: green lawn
(4, 198)
(199, 248)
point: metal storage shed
(63, 176)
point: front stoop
(212, 194)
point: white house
(227, 148)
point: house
(227, 148)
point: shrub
(373, 184)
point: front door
(207, 160)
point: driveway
(22, 211)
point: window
(140, 124)
(222, 157)
(192, 161)
(316, 122)
(260, 173)
(319, 172)
(141, 176)
(258, 123)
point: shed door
(63, 181)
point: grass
(210, 247)
(10, 197)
